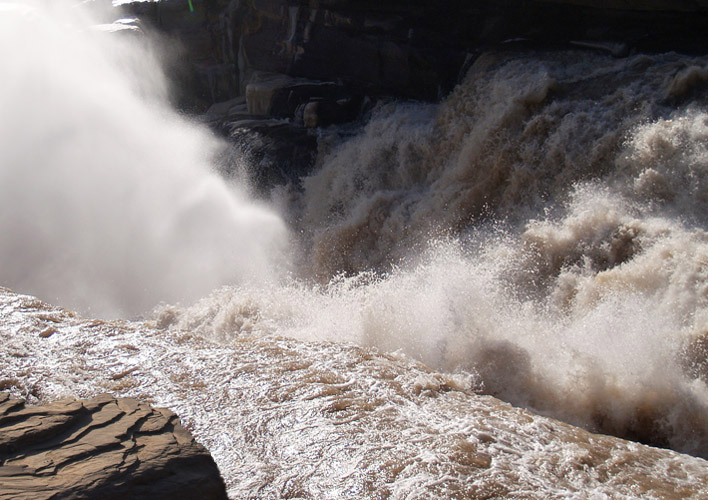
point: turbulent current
(539, 236)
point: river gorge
(492, 283)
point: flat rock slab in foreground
(100, 448)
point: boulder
(233, 109)
(283, 96)
(102, 448)
(276, 152)
(322, 112)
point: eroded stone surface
(100, 448)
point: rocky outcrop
(413, 49)
(102, 448)
(317, 63)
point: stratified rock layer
(100, 448)
(408, 49)
(313, 64)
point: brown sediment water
(286, 418)
(538, 237)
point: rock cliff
(280, 69)
(100, 448)
(414, 49)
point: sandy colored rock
(100, 448)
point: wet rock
(276, 152)
(281, 96)
(324, 112)
(367, 47)
(272, 151)
(416, 49)
(220, 114)
(100, 448)
(412, 49)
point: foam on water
(542, 230)
(284, 418)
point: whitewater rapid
(540, 234)
(547, 216)
(291, 419)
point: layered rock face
(414, 49)
(311, 64)
(100, 448)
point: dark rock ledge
(275, 77)
(103, 448)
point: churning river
(539, 238)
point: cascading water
(540, 233)
(547, 217)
